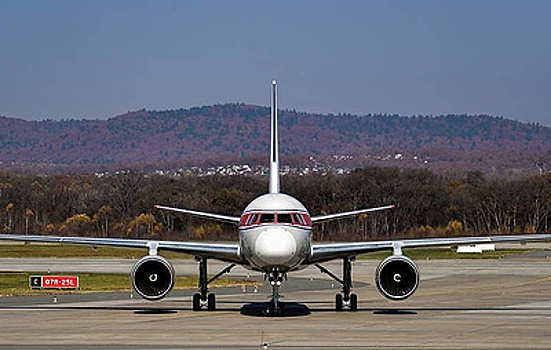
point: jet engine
(153, 277)
(397, 277)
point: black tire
(211, 302)
(270, 309)
(196, 302)
(353, 302)
(338, 302)
(280, 311)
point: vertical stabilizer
(274, 151)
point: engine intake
(397, 277)
(153, 277)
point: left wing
(325, 252)
(224, 252)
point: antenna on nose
(274, 149)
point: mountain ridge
(239, 132)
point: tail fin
(274, 151)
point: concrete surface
(470, 304)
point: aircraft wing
(224, 252)
(325, 252)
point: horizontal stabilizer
(336, 216)
(200, 214)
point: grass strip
(17, 283)
(440, 253)
(41, 250)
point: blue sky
(97, 59)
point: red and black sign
(54, 282)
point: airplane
(275, 238)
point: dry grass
(17, 283)
(41, 250)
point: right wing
(201, 214)
(224, 252)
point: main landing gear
(274, 307)
(346, 299)
(204, 299)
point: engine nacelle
(397, 277)
(153, 277)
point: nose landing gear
(274, 307)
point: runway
(470, 304)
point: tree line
(427, 204)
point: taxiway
(486, 304)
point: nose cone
(276, 246)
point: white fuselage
(275, 232)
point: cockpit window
(295, 219)
(267, 218)
(252, 219)
(284, 218)
(298, 219)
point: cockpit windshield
(291, 218)
(284, 218)
(267, 218)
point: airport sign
(54, 282)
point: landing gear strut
(204, 299)
(274, 307)
(346, 299)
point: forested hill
(240, 133)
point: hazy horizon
(96, 60)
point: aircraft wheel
(196, 302)
(270, 309)
(353, 302)
(338, 302)
(211, 302)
